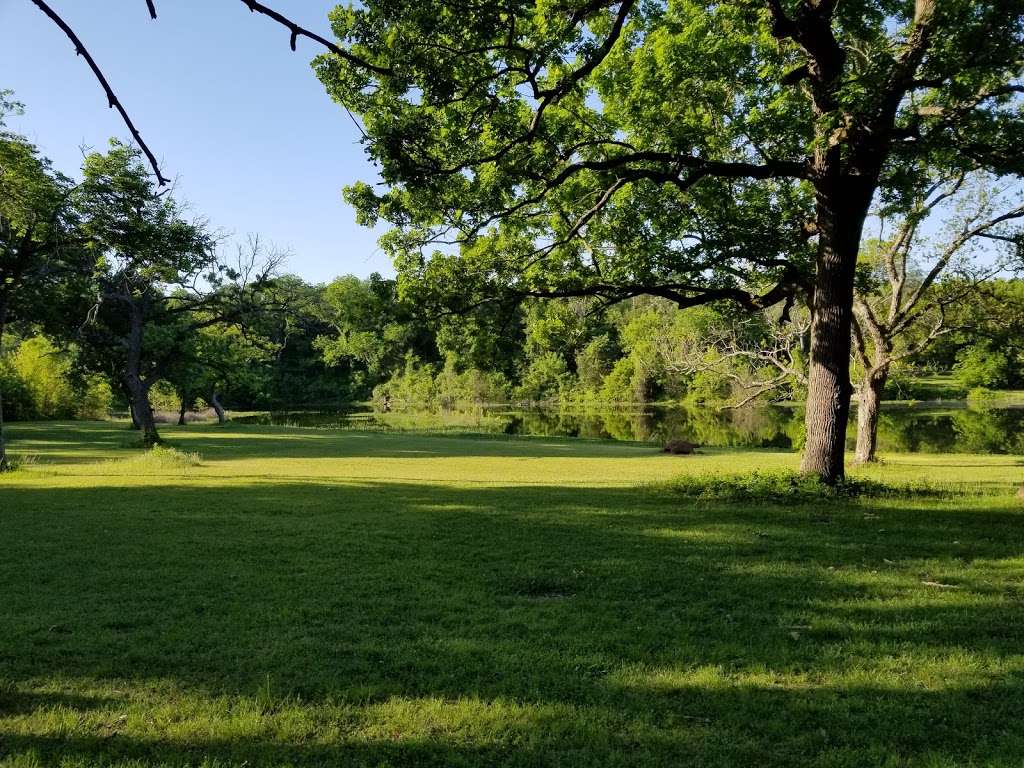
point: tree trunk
(215, 402)
(131, 412)
(138, 389)
(840, 219)
(869, 403)
(4, 464)
(181, 413)
(142, 410)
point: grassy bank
(308, 597)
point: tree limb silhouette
(112, 101)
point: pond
(949, 428)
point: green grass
(309, 597)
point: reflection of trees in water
(968, 430)
(900, 430)
(990, 430)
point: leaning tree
(695, 151)
(939, 255)
(158, 279)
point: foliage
(545, 379)
(980, 366)
(40, 381)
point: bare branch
(298, 31)
(112, 99)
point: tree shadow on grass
(628, 626)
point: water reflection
(902, 428)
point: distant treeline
(354, 340)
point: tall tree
(158, 279)
(694, 151)
(37, 248)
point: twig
(297, 31)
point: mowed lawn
(308, 597)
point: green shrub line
(793, 487)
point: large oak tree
(691, 150)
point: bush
(37, 382)
(982, 367)
(44, 371)
(18, 404)
(164, 397)
(618, 385)
(545, 379)
(95, 399)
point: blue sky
(238, 120)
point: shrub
(545, 379)
(95, 399)
(979, 366)
(44, 372)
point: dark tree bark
(131, 408)
(215, 402)
(842, 209)
(181, 413)
(138, 388)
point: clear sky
(237, 120)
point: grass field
(341, 598)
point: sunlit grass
(309, 597)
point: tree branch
(298, 31)
(112, 99)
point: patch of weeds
(786, 487)
(21, 461)
(163, 458)
(779, 487)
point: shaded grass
(509, 602)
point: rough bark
(181, 413)
(840, 219)
(868, 407)
(215, 402)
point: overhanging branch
(112, 100)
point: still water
(905, 428)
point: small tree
(911, 281)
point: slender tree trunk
(840, 219)
(131, 412)
(181, 413)
(137, 388)
(215, 402)
(4, 464)
(142, 409)
(869, 403)
(131, 408)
